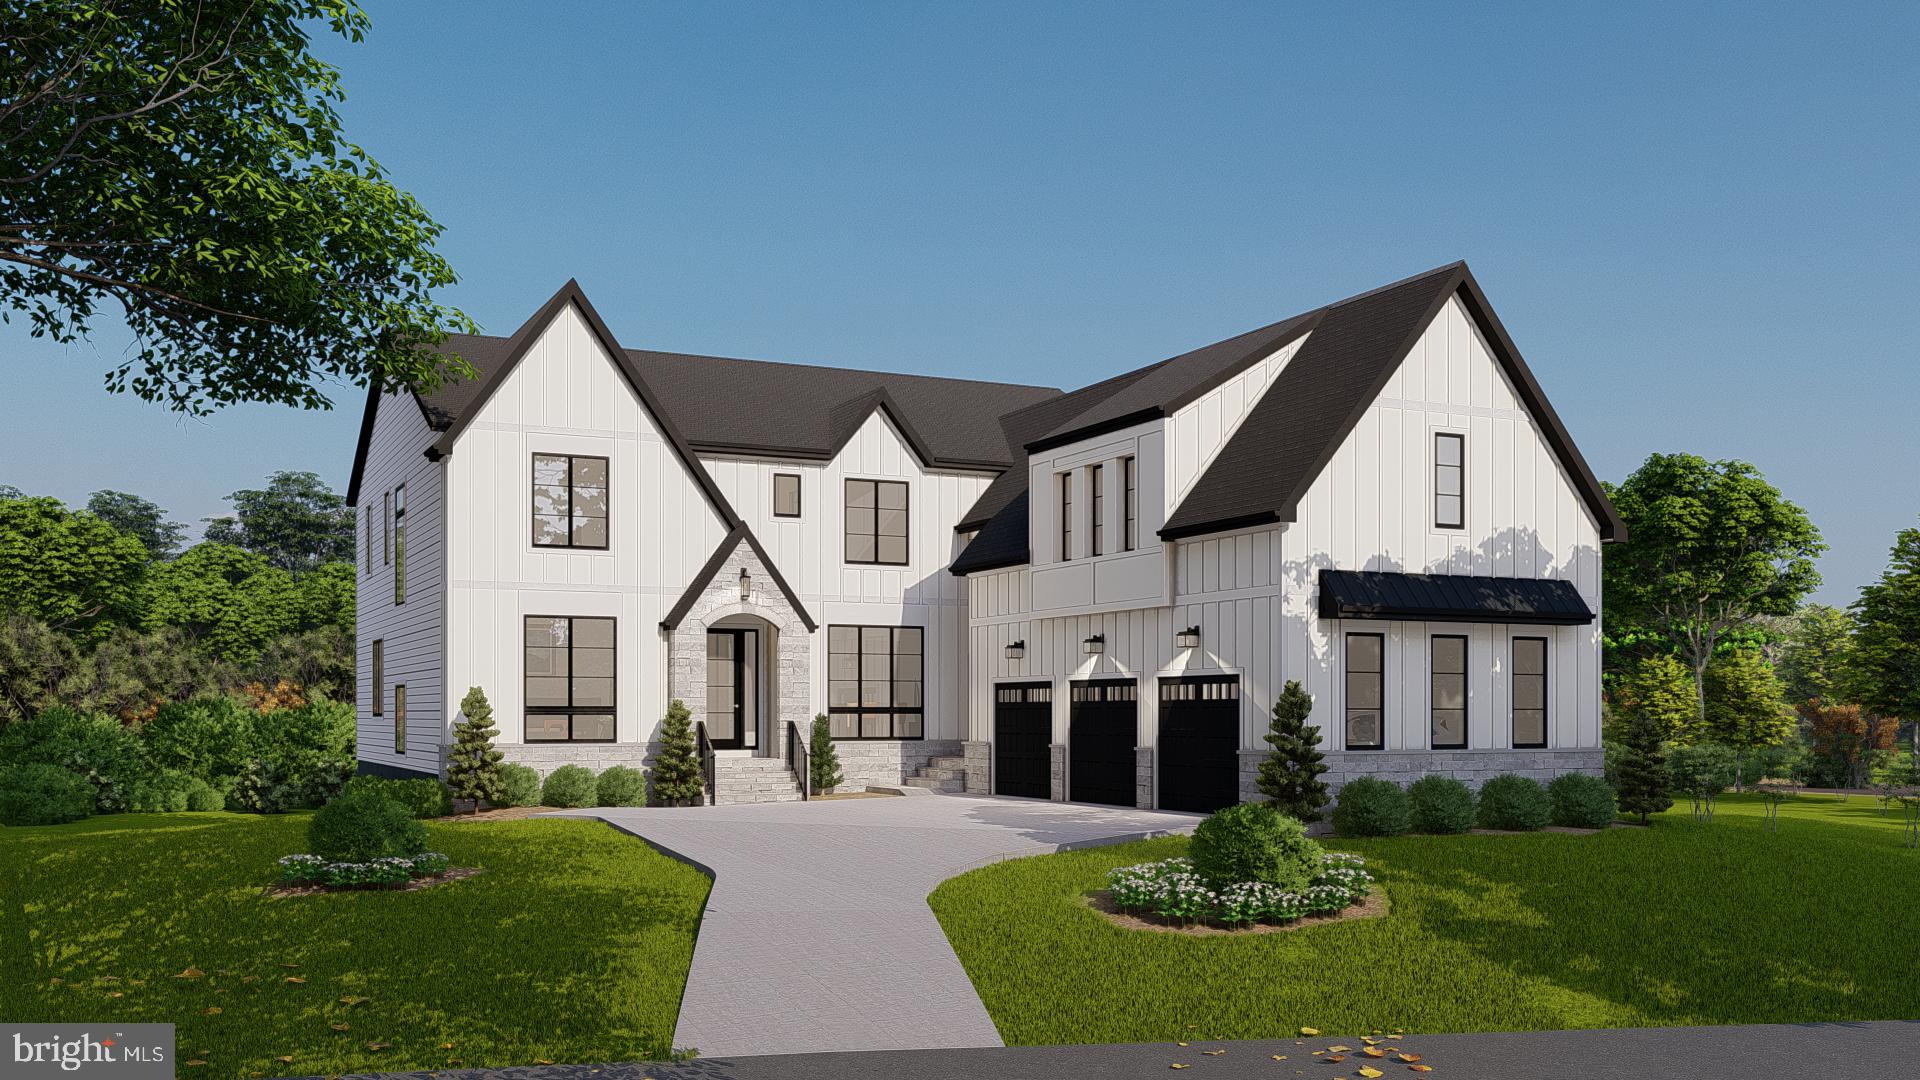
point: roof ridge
(839, 368)
(1408, 280)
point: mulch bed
(1373, 907)
(498, 813)
(278, 891)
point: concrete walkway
(817, 935)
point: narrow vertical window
(1130, 505)
(386, 527)
(786, 495)
(1530, 693)
(1366, 691)
(366, 540)
(400, 718)
(379, 676)
(1066, 516)
(1449, 480)
(569, 501)
(1098, 509)
(400, 544)
(1447, 693)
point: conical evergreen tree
(823, 763)
(1290, 775)
(676, 779)
(1641, 775)
(473, 765)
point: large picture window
(1447, 692)
(1366, 691)
(569, 679)
(876, 525)
(1530, 692)
(875, 682)
(1130, 504)
(1449, 480)
(569, 501)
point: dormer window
(1449, 480)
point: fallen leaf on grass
(211, 1010)
(190, 973)
(1309, 1031)
(449, 1046)
(297, 980)
(352, 1000)
(543, 1061)
(338, 1027)
(115, 993)
(1180, 1044)
(195, 1061)
(285, 1059)
(286, 965)
(376, 1047)
(56, 980)
(249, 978)
(1409, 1057)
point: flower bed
(1171, 890)
(389, 873)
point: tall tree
(473, 765)
(229, 602)
(1815, 656)
(1290, 773)
(140, 518)
(71, 571)
(1711, 548)
(1888, 640)
(297, 522)
(184, 163)
(1641, 775)
(1746, 709)
(1661, 688)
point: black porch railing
(706, 761)
(798, 761)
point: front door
(733, 689)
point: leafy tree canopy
(1888, 643)
(185, 163)
(233, 603)
(73, 571)
(1815, 658)
(296, 522)
(140, 518)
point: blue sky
(1700, 226)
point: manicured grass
(572, 946)
(1678, 923)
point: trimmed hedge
(621, 785)
(1441, 805)
(362, 826)
(40, 794)
(423, 797)
(569, 786)
(519, 785)
(1582, 802)
(1249, 842)
(1516, 803)
(1369, 806)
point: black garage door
(1199, 758)
(1100, 742)
(1022, 728)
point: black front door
(1199, 742)
(1022, 729)
(733, 688)
(1100, 742)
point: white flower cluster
(390, 870)
(1172, 890)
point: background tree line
(102, 610)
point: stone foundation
(1057, 771)
(1403, 767)
(979, 757)
(546, 757)
(888, 762)
(1143, 777)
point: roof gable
(704, 577)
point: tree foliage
(296, 522)
(676, 779)
(1746, 708)
(1661, 688)
(473, 765)
(1815, 658)
(823, 761)
(1888, 642)
(1640, 776)
(72, 571)
(1290, 773)
(1849, 741)
(140, 518)
(184, 162)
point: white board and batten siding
(810, 551)
(567, 397)
(410, 632)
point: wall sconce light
(746, 585)
(1187, 639)
(1017, 649)
(1094, 645)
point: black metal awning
(1366, 594)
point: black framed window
(1130, 505)
(1366, 691)
(366, 542)
(400, 544)
(1530, 693)
(569, 501)
(1023, 693)
(876, 682)
(786, 494)
(379, 676)
(400, 718)
(1449, 480)
(570, 683)
(1066, 516)
(1447, 692)
(386, 527)
(1097, 510)
(876, 522)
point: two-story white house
(1092, 596)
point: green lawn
(573, 945)
(1679, 923)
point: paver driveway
(817, 935)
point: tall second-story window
(569, 501)
(366, 541)
(400, 544)
(876, 522)
(1066, 516)
(1449, 480)
(1129, 505)
(386, 528)
(1098, 510)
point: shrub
(1254, 842)
(677, 779)
(1440, 804)
(519, 785)
(424, 797)
(569, 785)
(308, 746)
(473, 766)
(1582, 802)
(823, 761)
(41, 794)
(621, 786)
(1513, 802)
(1701, 772)
(1172, 890)
(1640, 775)
(203, 797)
(1290, 773)
(165, 792)
(384, 873)
(361, 826)
(208, 737)
(98, 749)
(1368, 806)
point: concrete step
(942, 773)
(933, 784)
(947, 761)
(749, 764)
(724, 799)
(724, 785)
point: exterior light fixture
(1187, 639)
(746, 585)
(1017, 649)
(1094, 645)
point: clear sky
(1700, 226)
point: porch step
(752, 779)
(935, 783)
(947, 761)
(945, 772)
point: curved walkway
(817, 935)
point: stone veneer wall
(1057, 771)
(979, 757)
(1143, 777)
(687, 652)
(1403, 767)
(886, 762)
(546, 757)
